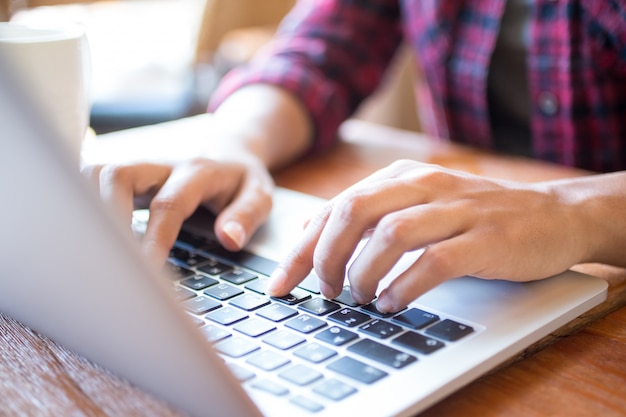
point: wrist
(593, 207)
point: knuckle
(402, 164)
(165, 205)
(349, 206)
(114, 174)
(200, 163)
(318, 220)
(440, 260)
(391, 229)
(435, 176)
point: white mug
(53, 66)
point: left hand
(467, 224)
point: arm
(330, 55)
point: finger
(179, 196)
(119, 184)
(250, 208)
(440, 262)
(397, 233)
(354, 213)
(298, 264)
(341, 238)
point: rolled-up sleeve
(330, 54)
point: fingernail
(277, 281)
(235, 232)
(384, 304)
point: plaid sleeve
(330, 54)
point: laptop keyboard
(301, 347)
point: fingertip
(385, 303)
(236, 233)
(329, 291)
(359, 297)
(278, 283)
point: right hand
(238, 191)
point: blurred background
(160, 60)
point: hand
(239, 191)
(468, 225)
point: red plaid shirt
(332, 54)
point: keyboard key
(254, 327)
(223, 291)
(213, 267)
(199, 282)
(241, 373)
(306, 403)
(201, 305)
(416, 318)
(270, 387)
(276, 312)
(296, 296)
(258, 285)
(357, 370)
(305, 323)
(449, 330)
(226, 315)
(418, 342)
(236, 347)
(267, 360)
(314, 352)
(372, 309)
(238, 276)
(336, 336)
(381, 353)
(319, 306)
(249, 302)
(242, 258)
(190, 258)
(310, 284)
(380, 329)
(283, 339)
(334, 389)
(214, 333)
(300, 375)
(349, 317)
(190, 239)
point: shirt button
(548, 103)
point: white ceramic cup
(53, 65)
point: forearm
(598, 207)
(265, 121)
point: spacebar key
(357, 370)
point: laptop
(202, 335)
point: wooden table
(580, 370)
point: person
(540, 78)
